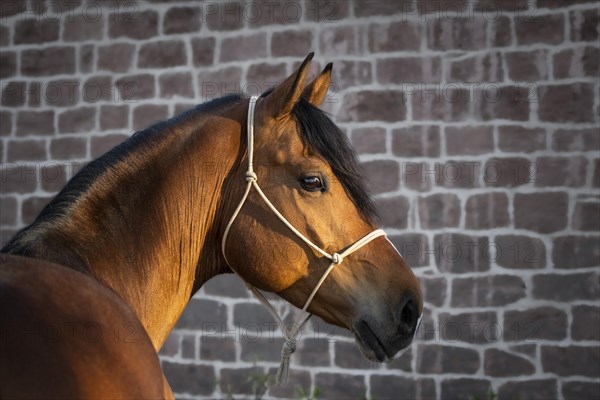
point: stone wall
(477, 127)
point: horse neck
(151, 233)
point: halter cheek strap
(336, 258)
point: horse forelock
(322, 135)
(326, 139)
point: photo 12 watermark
(70, 92)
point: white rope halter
(336, 258)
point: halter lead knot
(251, 176)
(289, 347)
(337, 258)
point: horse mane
(317, 130)
(322, 135)
(120, 158)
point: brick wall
(477, 126)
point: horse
(91, 289)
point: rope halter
(289, 345)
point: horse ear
(316, 90)
(285, 96)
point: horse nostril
(409, 316)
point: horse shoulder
(64, 335)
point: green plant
(302, 394)
(260, 384)
(489, 395)
(229, 389)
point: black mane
(317, 130)
(132, 147)
(321, 134)
(82, 181)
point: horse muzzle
(383, 341)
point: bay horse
(91, 289)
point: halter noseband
(336, 258)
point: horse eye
(311, 183)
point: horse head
(306, 171)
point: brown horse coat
(82, 340)
(110, 264)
